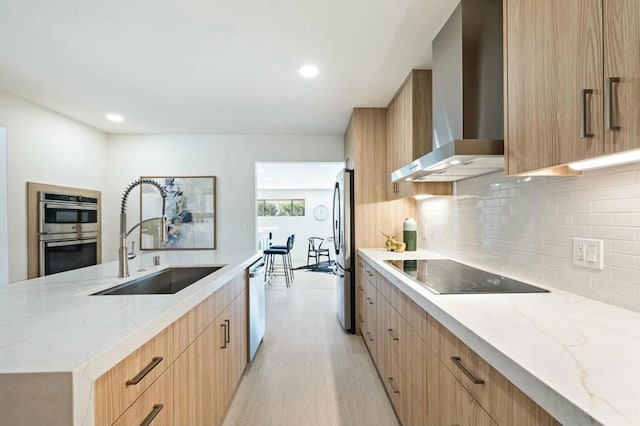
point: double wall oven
(68, 232)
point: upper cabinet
(409, 134)
(622, 75)
(564, 99)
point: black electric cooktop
(449, 277)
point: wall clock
(321, 212)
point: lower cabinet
(433, 378)
(155, 406)
(195, 389)
(206, 374)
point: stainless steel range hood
(468, 117)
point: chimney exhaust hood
(468, 116)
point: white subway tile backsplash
(626, 205)
(626, 191)
(627, 275)
(615, 287)
(614, 232)
(592, 219)
(620, 260)
(626, 219)
(526, 229)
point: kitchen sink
(167, 281)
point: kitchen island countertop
(52, 325)
(576, 357)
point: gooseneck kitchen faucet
(123, 260)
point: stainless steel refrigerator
(344, 243)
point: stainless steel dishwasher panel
(257, 304)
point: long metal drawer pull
(154, 362)
(393, 386)
(458, 362)
(611, 94)
(224, 336)
(152, 415)
(585, 126)
(392, 334)
(228, 331)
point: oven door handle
(70, 243)
(70, 206)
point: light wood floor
(308, 371)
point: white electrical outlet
(588, 253)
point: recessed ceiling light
(454, 162)
(116, 118)
(308, 71)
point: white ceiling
(213, 66)
(297, 175)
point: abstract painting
(190, 211)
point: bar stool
(287, 267)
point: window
(281, 207)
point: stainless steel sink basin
(167, 281)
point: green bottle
(410, 233)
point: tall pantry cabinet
(365, 153)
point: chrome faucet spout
(123, 261)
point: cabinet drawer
(155, 406)
(393, 332)
(119, 387)
(498, 396)
(448, 402)
(384, 287)
(370, 274)
(370, 329)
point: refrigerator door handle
(336, 217)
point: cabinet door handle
(227, 330)
(138, 377)
(585, 125)
(458, 362)
(611, 95)
(369, 334)
(392, 385)
(224, 336)
(152, 415)
(392, 334)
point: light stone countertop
(52, 325)
(576, 357)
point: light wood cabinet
(207, 373)
(414, 357)
(410, 134)
(196, 377)
(360, 297)
(119, 387)
(371, 327)
(211, 346)
(155, 406)
(449, 402)
(560, 107)
(365, 152)
(622, 62)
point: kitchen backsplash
(524, 227)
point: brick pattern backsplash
(523, 227)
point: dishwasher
(257, 317)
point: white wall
(46, 147)
(231, 158)
(524, 227)
(4, 253)
(302, 226)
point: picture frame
(190, 211)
